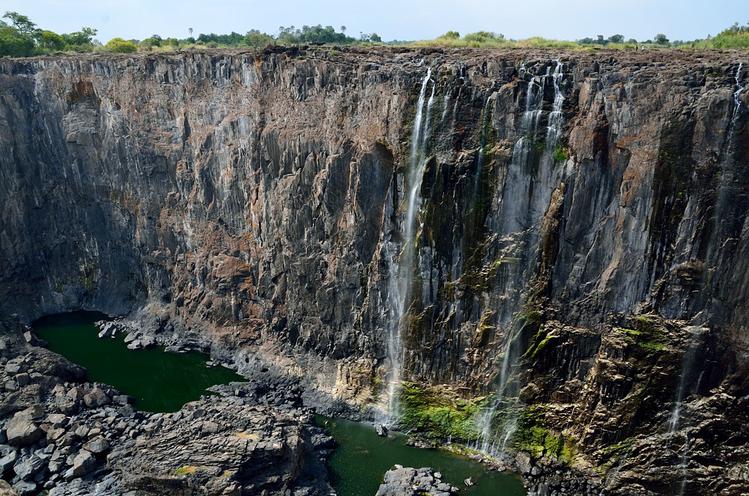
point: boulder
(95, 398)
(22, 431)
(523, 462)
(6, 489)
(57, 419)
(13, 367)
(406, 481)
(83, 463)
(7, 461)
(27, 468)
(97, 445)
(23, 379)
(81, 431)
(25, 488)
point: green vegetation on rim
(118, 45)
(20, 37)
(737, 36)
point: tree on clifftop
(661, 39)
(118, 45)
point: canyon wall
(581, 224)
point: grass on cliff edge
(736, 36)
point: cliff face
(580, 223)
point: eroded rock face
(253, 201)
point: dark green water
(363, 457)
(159, 381)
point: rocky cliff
(564, 232)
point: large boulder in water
(407, 481)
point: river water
(363, 457)
(157, 380)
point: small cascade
(737, 93)
(401, 262)
(517, 181)
(683, 466)
(445, 104)
(687, 363)
(727, 177)
(686, 387)
(485, 123)
(556, 118)
(486, 442)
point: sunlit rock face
(581, 227)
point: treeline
(20, 37)
(737, 36)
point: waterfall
(737, 93)
(401, 267)
(556, 118)
(445, 104)
(485, 113)
(491, 442)
(688, 362)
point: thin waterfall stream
(491, 442)
(402, 264)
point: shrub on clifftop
(118, 45)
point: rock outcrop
(584, 212)
(407, 481)
(227, 443)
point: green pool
(159, 381)
(363, 457)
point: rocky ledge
(69, 437)
(407, 481)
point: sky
(391, 19)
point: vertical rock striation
(592, 206)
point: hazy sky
(392, 19)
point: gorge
(540, 256)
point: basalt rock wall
(260, 198)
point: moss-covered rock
(646, 333)
(439, 412)
(532, 436)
